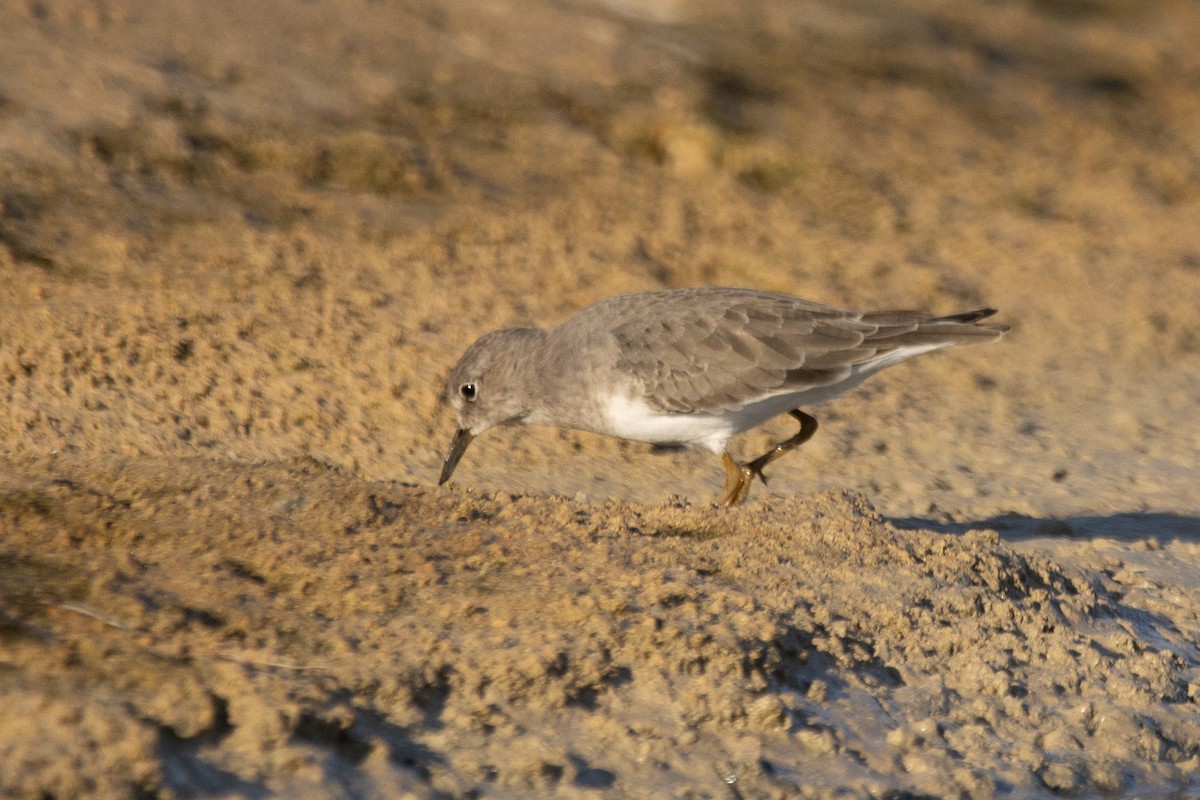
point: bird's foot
(738, 478)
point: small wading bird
(689, 367)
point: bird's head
(489, 387)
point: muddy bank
(288, 628)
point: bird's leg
(808, 426)
(738, 477)
(737, 480)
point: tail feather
(967, 316)
(898, 329)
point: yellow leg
(738, 477)
(737, 480)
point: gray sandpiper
(691, 367)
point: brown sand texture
(242, 244)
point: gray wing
(709, 350)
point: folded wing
(718, 351)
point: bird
(691, 366)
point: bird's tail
(967, 316)
(911, 328)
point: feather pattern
(712, 350)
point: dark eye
(467, 390)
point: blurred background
(263, 230)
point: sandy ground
(241, 244)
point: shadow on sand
(1123, 527)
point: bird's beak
(462, 438)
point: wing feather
(695, 350)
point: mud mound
(206, 627)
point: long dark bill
(462, 438)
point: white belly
(633, 419)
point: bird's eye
(467, 390)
